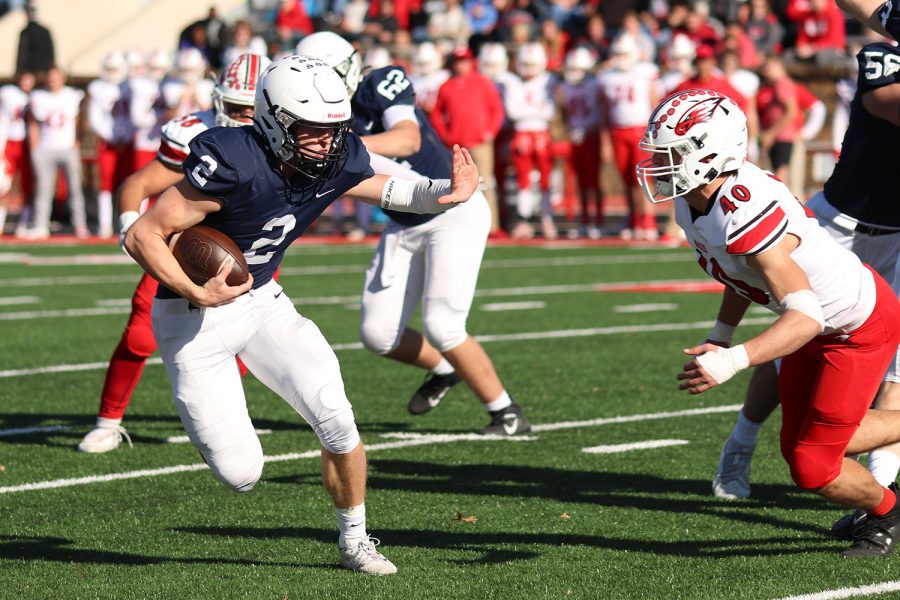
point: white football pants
(283, 349)
(436, 263)
(881, 252)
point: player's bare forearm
(402, 140)
(789, 333)
(147, 240)
(151, 180)
(425, 195)
(865, 11)
(732, 308)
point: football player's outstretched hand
(463, 178)
(693, 376)
(218, 292)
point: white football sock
(443, 368)
(884, 465)
(500, 403)
(745, 431)
(104, 423)
(104, 213)
(3, 211)
(351, 524)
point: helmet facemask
(314, 164)
(665, 176)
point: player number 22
(393, 84)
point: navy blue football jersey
(378, 91)
(263, 211)
(862, 184)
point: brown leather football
(200, 251)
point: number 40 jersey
(751, 213)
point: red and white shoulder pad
(178, 133)
(759, 226)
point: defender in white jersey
(111, 124)
(53, 124)
(233, 101)
(627, 95)
(838, 323)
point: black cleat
(846, 526)
(431, 392)
(508, 421)
(876, 536)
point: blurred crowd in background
(556, 144)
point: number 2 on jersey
(287, 223)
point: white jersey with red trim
(631, 94)
(57, 115)
(13, 103)
(146, 111)
(530, 104)
(185, 98)
(751, 213)
(106, 116)
(581, 104)
(427, 87)
(178, 133)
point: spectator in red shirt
(292, 22)
(777, 106)
(821, 32)
(706, 76)
(456, 122)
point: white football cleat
(104, 439)
(732, 479)
(364, 558)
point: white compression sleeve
(415, 196)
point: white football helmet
(191, 65)
(137, 63)
(338, 53)
(493, 60)
(377, 58)
(625, 52)
(426, 59)
(237, 86)
(579, 62)
(306, 91)
(114, 68)
(158, 64)
(531, 60)
(693, 137)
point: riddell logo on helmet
(336, 115)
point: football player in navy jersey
(263, 186)
(432, 259)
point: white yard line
(120, 306)
(642, 308)
(866, 590)
(649, 444)
(30, 430)
(688, 412)
(406, 440)
(509, 263)
(507, 337)
(505, 306)
(12, 300)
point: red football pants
(827, 387)
(530, 150)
